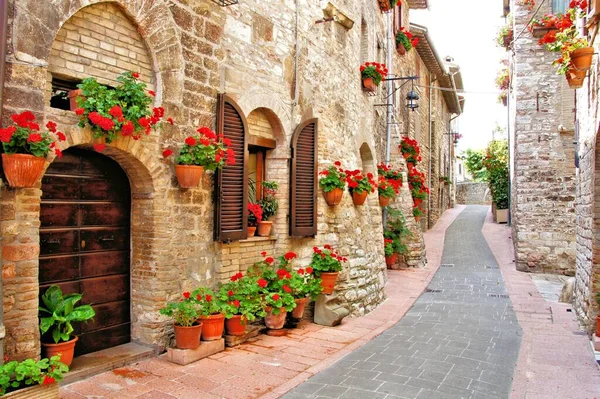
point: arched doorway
(85, 242)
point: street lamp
(411, 100)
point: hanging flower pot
(406, 155)
(298, 311)
(188, 176)
(417, 201)
(390, 260)
(581, 58)
(328, 281)
(401, 49)
(236, 325)
(598, 326)
(369, 85)
(359, 198)
(264, 228)
(187, 337)
(575, 77)
(417, 219)
(384, 201)
(251, 231)
(212, 326)
(334, 196)
(65, 350)
(22, 170)
(275, 321)
(410, 165)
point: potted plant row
(30, 378)
(389, 183)
(394, 235)
(405, 41)
(25, 147)
(372, 73)
(204, 151)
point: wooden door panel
(111, 214)
(67, 287)
(98, 189)
(107, 315)
(58, 215)
(61, 187)
(104, 239)
(58, 242)
(104, 289)
(102, 339)
(59, 269)
(104, 263)
(68, 164)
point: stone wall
(277, 66)
(471, 193)
(543, 186)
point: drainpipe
(389, 88)
(3, 34)
(431, 82)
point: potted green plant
(333, 182)
(359, 185)
(386, 191)
(31, 378)
(409, 147)
(211, 313)
(241, 302)
(387, 5)
(394, 234)
(505, 35)
(120, 111)
(496, 165)
(205, 151)
(405, 41)
(269, 205)
(418, 195)
(25, 149)
(255, 215)
(417, 213)
(185, 313)
(327, 264)
(57, 314)
(372, 74)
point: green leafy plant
(210, 304)
(273, 279)
(359, 183)
(59, 312)
(333, 177)
(123, 110)
(15, 375)
(208, 150)
(417, 212)
(405, 39)
(385, 188)
(326, 260)
(496, 165)
(185, 311)
(268, 202)
(375, 71)
(240, 296)
(25, 136)
(395, 233)
(473, 163)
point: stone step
(98, 362)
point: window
(559, 6)
(303, 180)
(364, 42)
(60, 91)
(397, 18)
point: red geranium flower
(135, 75)
(48, 380)
(287, 289)
(170, 120)
(236, 303)
(58, 152)
(199, 297)
(275, 297)
(151, 93)
(167, 153)
(263, 253)
(269, 260)
(51, 126)
(79, 111)
(186, 295)
(309, 270)
(34, 138)
(290, 255)
(208, 298)
(262, 283)
(230, 293)
(99, 147)
(190, 141)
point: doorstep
(98, 362)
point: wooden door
(85, 242)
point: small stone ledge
(187, 356)
(250, 240)
(235, 340)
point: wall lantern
(411, 100)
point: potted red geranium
(25, 149)
(387, 5)
(359, 185)
(255, 215)
(205, 151)
(30, 378)
(386, 191)
(240, 302)
(185, 313)
(211, 313)
(405, 41)
(326, 264)
(372, 74)
(417, 213)
(333, 182)
(409, 147)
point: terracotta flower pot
(298, 311)
(400, 49)
(188, 176)
(359, 198)
(235, 325)
(275, 321)
(212, 326)
(64, 349)
(410, 165)
(505, 101)
(369, 85)
(22, 170)
(328, 281)
(406, 155)
(334, 196)
(187, 337)
(417, 219)
(582, 58)
(390, 260)
(72, 96)
(264, 228)
(574, 81)
(384, 201)
(598, 326)
(385, 5)
(417, 201)
(251, 231)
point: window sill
(258, 239)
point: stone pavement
(555, 360)
(268, 367)
(460, 339)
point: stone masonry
(280, 67)
(543, 182)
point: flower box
(540, 31)
(49, 391)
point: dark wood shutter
(303, 180)
(231, 183)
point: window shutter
(231, 183)
(303, 180)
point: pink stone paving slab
(267, 367)
(555, 360)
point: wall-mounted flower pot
(359, 198)
(275, 321)
(400, 49)
(65, 350)
(581, 58)
(212, 327)
(235, 325)
(188, 176)
(385, 5)
(264, 228)
(22, 170)
(187, 337)
(390, 260)
(505, 101)
(72, 96)
(334, 196)
(251, 231)
(328, 281)
(369, 85)
(417, 201)
(418, 219)
(539, 31)
(384, 201)
(410, 165)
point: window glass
(559, 6)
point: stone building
(541, 146)
(275, 75)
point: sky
(466, 31)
